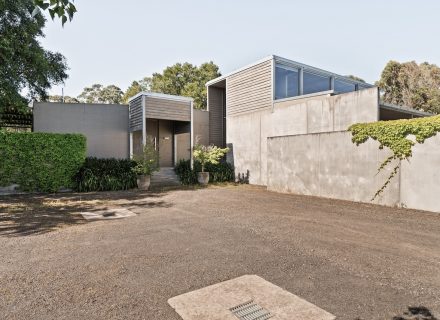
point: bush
(39, 161)
(221, 172)
(106, 175)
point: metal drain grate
(250, 311)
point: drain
(250, 311)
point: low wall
(104, 125)
(330, 165)
(247, 133)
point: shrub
(39, 161)
(106, 175)
(148, 161)
(206, 155)
(220, 172)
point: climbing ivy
(397, 136)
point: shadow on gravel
(416, 313)
(31, 214)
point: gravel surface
(357, 261)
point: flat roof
(404, 109)
(291, 63)
(161, 96)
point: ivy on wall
(38, 161)
(397, 136)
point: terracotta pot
(143, 182)
(203, 178)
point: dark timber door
(165, 143)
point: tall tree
(24, 64)
(411, 84)
(186, 80)
(97, 93)
(136, 87)
(63, 9)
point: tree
(65, 99)
(24, 64)
(356, 78)
(63, 9)
(411, 84)
(136, 87)
(97, 93)
(186, 80)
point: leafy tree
(136, 87)
(67, 99)
(411, 84)
(186, 80)
(24, 64)
(97, 93)
(356, 78)
(63, 9)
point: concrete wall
(104, 125)
(247, 133)
(330, 165)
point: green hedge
(222, 172)
(105, 175)
(38, 161)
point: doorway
(161, 134)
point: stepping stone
(247, 298)
(109, 214)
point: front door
(165, 139)
(161, 134)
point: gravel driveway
(353, 260)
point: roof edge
(161, 96)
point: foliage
(24, 64)
(40, 161)
(186, 80)
(148, 161)
(135, 88)
(97, 93)
(105, 175)
(208, 154)
(16, 118)
(63, 9)
(396, 135)
(356, 78)
(65, 99)
(220, 172)
(411, 84)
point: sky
(116, 42)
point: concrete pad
(109, 214)
(214, 302)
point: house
(279, 97)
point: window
(286, 82)
(315, 83)
(342, 86)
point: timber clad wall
(136, 114)
(166, 109)
(216, 116)
(250, 89)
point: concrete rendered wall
(104, 125)
(247, 133)
(330, 165)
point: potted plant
(146, 163)
(204, 155)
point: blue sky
(116, 42)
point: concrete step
(165, 177)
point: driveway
(353, 260)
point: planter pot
(143, 182)
(203, 178)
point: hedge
(222, 172)
(105, 175)
(44, 162)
